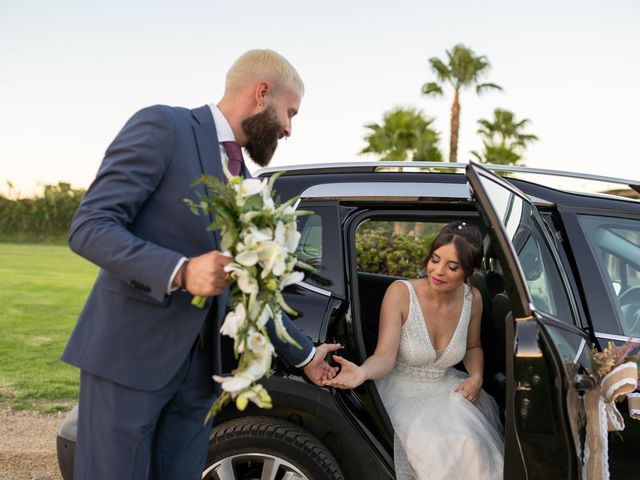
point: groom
(146, 354)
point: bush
(44, 218)
(394, 248)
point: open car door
(547, 364)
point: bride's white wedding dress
(438, 433)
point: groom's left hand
(318, 370)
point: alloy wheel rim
(253, 466)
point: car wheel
(267, 448)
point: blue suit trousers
(156, 435)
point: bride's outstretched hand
(470, 388)
(350, 376)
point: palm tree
(404, 134)
(463, 70)
(503, 138)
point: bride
(446, 426)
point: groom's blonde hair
(258, 65)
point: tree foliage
(503, 138)
(46, 217)
(463, 69)
(404, 134)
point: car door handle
(584, 383)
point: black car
(561, 272)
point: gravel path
(28, 446)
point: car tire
(249, 447)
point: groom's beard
(263, 131)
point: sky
(73, 72)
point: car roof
(366, 179)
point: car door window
(547, 286)
(615, 243)
(319, 245)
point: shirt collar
(223, 129)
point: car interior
(496, 308)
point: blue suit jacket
(134, 224)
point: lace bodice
(417, 357)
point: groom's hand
(318, 370)
(204, 275)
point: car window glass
(319, 246)
(310, 246)
(615, 243)
(547, 286)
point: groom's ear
(262, 93)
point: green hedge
(44, 218)
(394, 248)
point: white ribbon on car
(603, 417)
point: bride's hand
(470, 388)
(350, 376)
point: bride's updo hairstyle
(468, 242)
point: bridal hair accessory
(464, 224)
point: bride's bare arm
(392, 314)
(474, 357)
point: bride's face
(443, 268)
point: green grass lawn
(42, 290)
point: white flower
(292, 236)
(272, 259)
(249, 249)
(246, 282)
(248, 258)
(257, 342)
(290, 279)
(259, 234)
(264, 317)
(267, 200)
(256, 369)
(247, 188)
(257, 394)
(233, 321)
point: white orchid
(253, 372)
(267, 200)
(292, 236)
(246, 282)
(233, 321)
(290, 279)
(257, 394)
(257, 342)
(249, 249)
(247, 188)
(272, 259)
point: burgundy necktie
(234, 153)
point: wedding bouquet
(262, 236)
